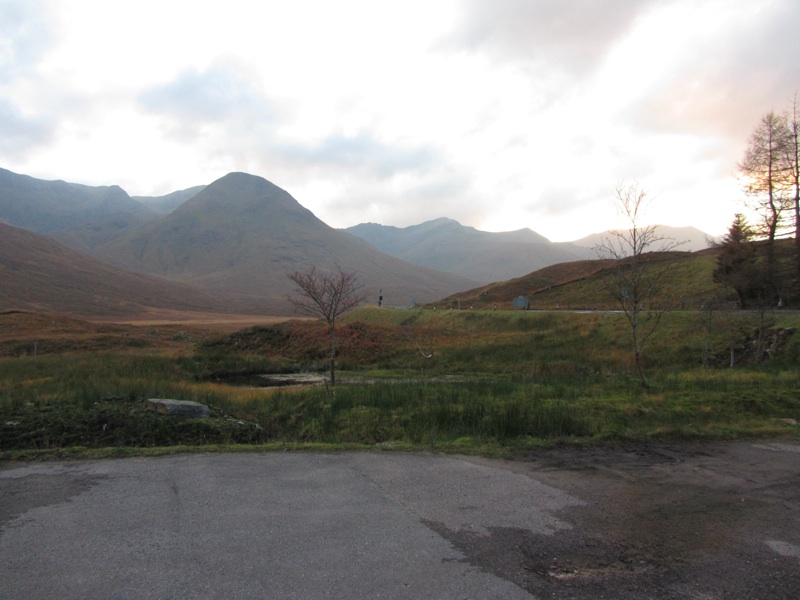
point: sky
(500, 114)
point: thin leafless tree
(765, 176)
(326, 296)
(792, 152)
(634, 283)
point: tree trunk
(709, 332)
(639, 369)
(333, 357)
(797, 230)
(637, 352)
(772, 232)
(794, 168)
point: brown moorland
(28, 333)
(40, 275)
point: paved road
(259, 526)
(703, 522)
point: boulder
(181, 408)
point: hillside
(108, 228)
(104, 230)
(46, 206)
(581, 285)
(242, 233)
(39, 274)
(447, 245)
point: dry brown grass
(174, 332)
(215, 321)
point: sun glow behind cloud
(525, 115)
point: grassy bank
(465, 380)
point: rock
(181, 408)
(112, 399)
(792, 422)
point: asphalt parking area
(689, 521)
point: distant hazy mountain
(447, 245)
(694, 238)
(39, 274)
(80, 216)
(46, 206)
(242, 233)
(166, 204)
(395, 239)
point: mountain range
(47, 206)
(447, 245)
(229, 244)
(236, 237)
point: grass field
(470, 381)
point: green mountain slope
(582, 285)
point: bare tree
(765, 169)
(792, 151)
(326, 296)
(636, 277)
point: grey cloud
(21, 133)
(570, 34)
(225, 94)
(25, 36)
(565, 199)
(732, 81)
(361, 153)
(222, 92)
(436, 194)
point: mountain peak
(247, 199)
(244, 183)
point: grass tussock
(450, 380)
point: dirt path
(689, 521)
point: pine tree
(736, 263)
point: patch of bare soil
(26, 333)
(688, 521)
(216, 321)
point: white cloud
(501, 115)
(24, 36)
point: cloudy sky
(501, 114)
